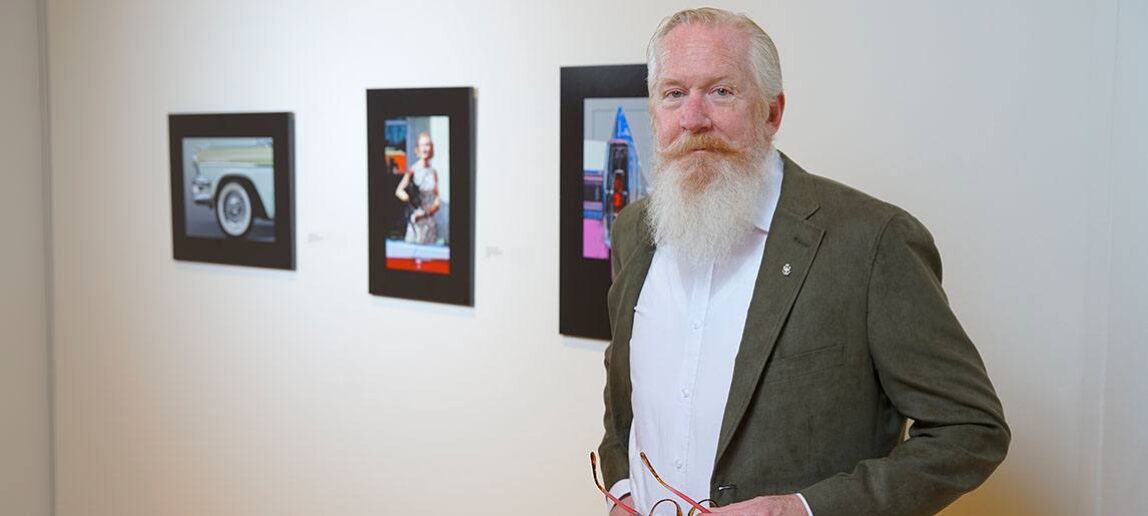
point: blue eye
(723, 92)
(675, 94)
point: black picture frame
(197, 184)
(584, 282)
(455, 285)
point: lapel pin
(786, 269)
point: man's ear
(776, 110)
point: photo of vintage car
(606, 142)
(237, 182)
(232, 188)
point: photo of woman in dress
(418, 200)
(419, 146)
(423, 198)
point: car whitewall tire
(233, 209)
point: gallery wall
(1126, 385)
(24, 410)
(186, 389)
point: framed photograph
(605, 151)
(420, 181)
(232, 188)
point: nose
(694, 116)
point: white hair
(764, 64)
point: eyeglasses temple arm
(680, 494)
(594, 469)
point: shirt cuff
(619, 489)
(808, 511)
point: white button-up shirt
(688, 324)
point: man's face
(705, 103)
(713, 132)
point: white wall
(1125, 443)
(24, 411)
(188, 389)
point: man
(774, 332)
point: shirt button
(685, 393)
(697, 325)
(678, 463)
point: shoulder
(848, 214)
(632, 217)
(630, 231)
(865, 231)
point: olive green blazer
(848, 337)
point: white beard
(705, 225)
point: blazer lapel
(631, 278)
(789, 252)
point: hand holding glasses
(696, 508)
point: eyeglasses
(695, 507)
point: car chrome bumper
(201, 191)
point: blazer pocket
(803, 364)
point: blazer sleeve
(932, 374)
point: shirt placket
(699, 303)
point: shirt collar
(773, 173)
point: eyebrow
(667, 82)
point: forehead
(696, 52)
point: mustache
(689, 142)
